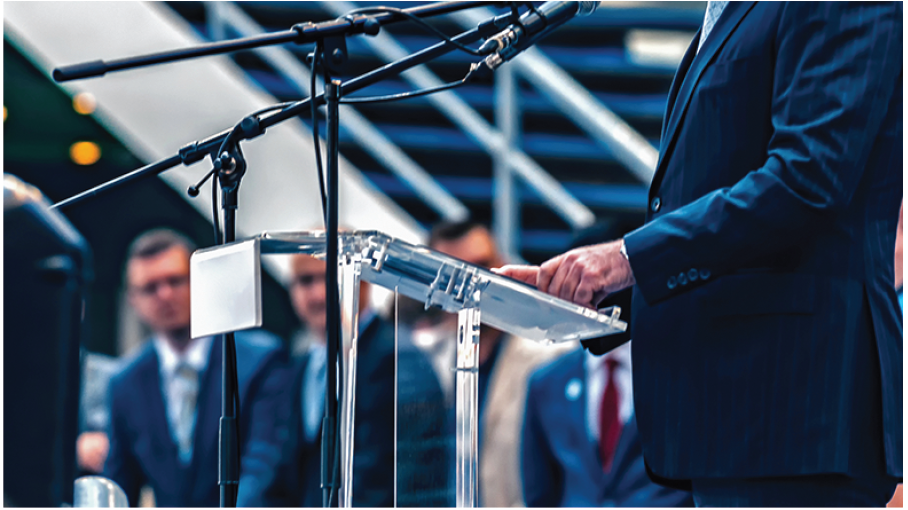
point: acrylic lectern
(226, 296)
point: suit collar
(698, 62)
(676, 85)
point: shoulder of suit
(132, 364)
(565, 359)
(257, 340)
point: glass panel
(425, 407)
(433, 403)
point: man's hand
(91, 451)
(584, 276)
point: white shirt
(196, 356)
(596, 379)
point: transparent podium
(436, 437)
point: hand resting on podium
(584, 276)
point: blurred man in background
(505, 362)
(580, 442)
(165, 404)
(299, 478)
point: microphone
(534, 24)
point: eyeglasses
(305, 280)
(151, 288)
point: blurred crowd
(556, 423)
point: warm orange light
(85, 153)
(84, 103)
(4, 113)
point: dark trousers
(802, 491)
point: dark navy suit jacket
(142, 450)
(767, 338)
(560, 463)
(298, 478)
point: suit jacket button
(692, 275)
(704, 274)
(655, 205)
(672, 282)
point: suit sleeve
(121, 465)
(266, 429)
(542, 480)
(836, 68)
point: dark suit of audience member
(563, 460)
(144, 448)
(299, 475)
(425, 431)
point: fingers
(525, 274)
(567, 278)
(547, 273)
(583, 295)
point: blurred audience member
(165, 404)
(94, 411)
(505, 362)
(299, 478)
(580, 442)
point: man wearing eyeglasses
(165, 403)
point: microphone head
(587, 8)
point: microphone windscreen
(587, 8)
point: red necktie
(609, 423)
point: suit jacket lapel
(724, 27)
(676, 85)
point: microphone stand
(229, 165)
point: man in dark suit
(299, 476)
(767, 344)
(165, 404)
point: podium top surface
(451, 284)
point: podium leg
(467, 408)
(349, 275)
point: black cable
(215, 213)
(236, 400)
(405, 95)
(419, 21)
(315, 141)
(279, 106)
